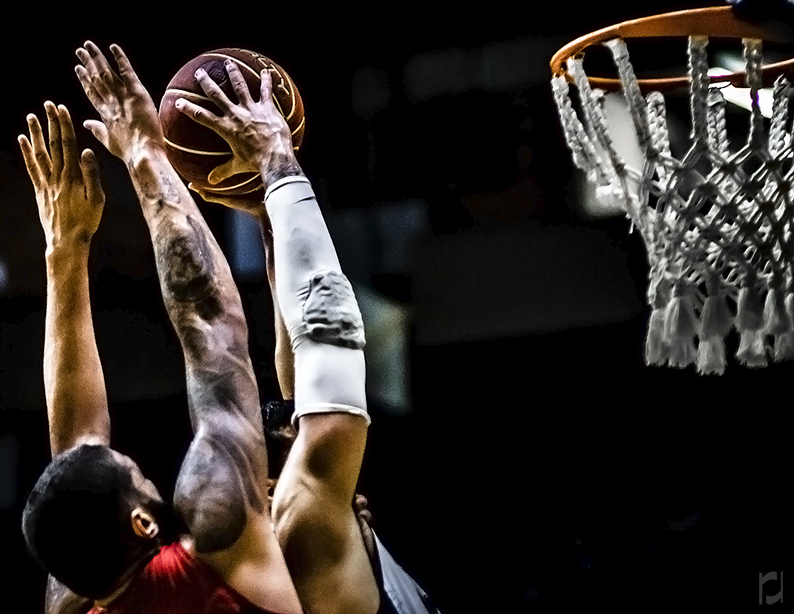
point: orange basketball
(195, 150)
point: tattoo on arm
(169, 189)
(216, 484)
(188, 268)
(222, 479)
(288, 167)
(194, 279)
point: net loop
(716, 221)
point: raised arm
(70, 202)
(315, 522)
(222, 487)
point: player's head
(92, 520)
(280, 434)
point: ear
(271, 489)
(144, 524)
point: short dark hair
(76, 521)
(279, 434)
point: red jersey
(174, 582)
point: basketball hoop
(717, 224)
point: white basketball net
(717, 224)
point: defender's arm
(197, 288)
(222, 487)
(70, 201)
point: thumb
(206, 196)
(248, 205)
(224, 171)
(98, 129)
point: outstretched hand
(257, 133)
(68, 191)
(128, 116)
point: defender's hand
(68, 192)
(129, 120)
(256, 132)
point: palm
(67, 211)
(68, 193)
(128, 116)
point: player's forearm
(198, 290)
(284, 360)
(194, 276)
(73, 380)
(284, 357)
(317, 302)
(302, 244)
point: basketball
(195, 150)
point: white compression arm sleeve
(317, 303)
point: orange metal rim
(714, 22)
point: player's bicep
(223, 476)
(221, 483)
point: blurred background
(521, 455)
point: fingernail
(179, 103)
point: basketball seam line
(198, 152)
(233, 187)
(204, 152)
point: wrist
(60, 254)
(144, 149)
(279, 165)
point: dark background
(521, 456)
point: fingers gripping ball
(195, 150)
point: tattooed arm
(221, 490)
(284, 358)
